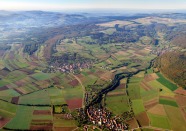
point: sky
(90, 4)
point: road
(83, 88)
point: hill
(173, 65)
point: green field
(149, 71)
(22, 119)
(138, 106)
(159, 121)
(20, 64)
(166, 82)
(3, 83)
(134, 91)
(36, 98)
(117, 104)
(9, 92)
(58, 109)
(146, 129)
(148, 95)
(42, 108)
(176, 119)
(168, 102)
(164, 90)
(42, 76)
(89, 80)
(7, 109)
(56, 96)
(64, 123)
(71, 92)
(15, 76)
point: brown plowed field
(64, 128)
(145, 86)
(22, 90)
(56, 80)
(4, 121)
(143, 119)
(41, 112)
(98, 73)
(42, 121)
(74, 82)
(41, 128)
(150, 77)
(158, 109)
(20, 83)
(27, 71)
(180, 91)
(80, 76)
(132, 123)
(18, 91)
(121, 86)
(181, 100)
(15, 100)
(74, 103)
(3, 88)
(151, 103)
(115, 93)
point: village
(66, 67)
(102, 118)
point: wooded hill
(173, 65)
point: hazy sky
(90, 4)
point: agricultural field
(8, 110)
(71, 77)
(118, 104)
(168, 102)
(35, 98)
(177, 121)
(22, 119)
(27, 94)
(166, 82)
(148, 101)
(159, 121)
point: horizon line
(92, 9)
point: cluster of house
(160, 51)
(67, 116)
(102, 118)
(72, 67)
(105, 67)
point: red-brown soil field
(143, 119)
(64, 128)
(15, 100)
(74, 103)
(3, 121)
(74, 82)
(41, 112)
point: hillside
(173, 65)
(180, 40)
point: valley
(103, 73)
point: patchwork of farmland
(50, 87)
(28, 95)
(32, 99)
(152, 102)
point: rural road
(82, 88)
